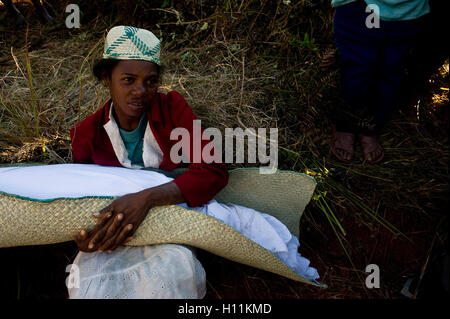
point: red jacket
(91, 144)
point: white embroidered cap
(130, 43)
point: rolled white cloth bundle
(72, 182)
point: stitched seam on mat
(53, 199)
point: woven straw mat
(284, 195)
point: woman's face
(133, 84)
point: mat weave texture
(283, 195)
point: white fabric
(265, 230)
(76, 180)
(146, 272)
(80, 180)
(151, 153)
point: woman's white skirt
(165, 271)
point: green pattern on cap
(130, 43)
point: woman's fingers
(116, 240)
(108, 232)
(81, 236)
(81, 241)
(114, 227)
(99, 230)
(103, 213)
(103, 220)
(122, 238)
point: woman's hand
(83, 239)
(126, 214)
(106, 226)
(119, 220)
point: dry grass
(250, 66)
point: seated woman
(133, 130)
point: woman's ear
(106, 80)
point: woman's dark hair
(103, 68)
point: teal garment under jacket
(134, 141)
(395, 10)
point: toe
(343, 153)
(373, 156)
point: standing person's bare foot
(371, 148)
(342, 145)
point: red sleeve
(81, 146)
(202, 181)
